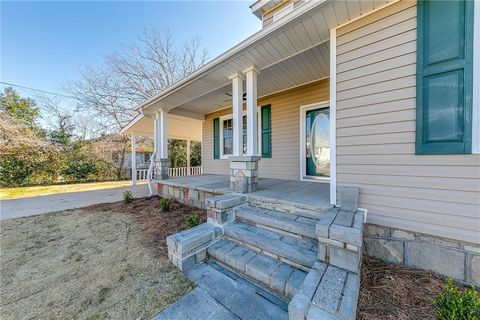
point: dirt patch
(156, 224)
(396, 292)
(102, 262)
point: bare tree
(109, 95)
(57, 116)
(134, 75)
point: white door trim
(333, 116)
(303, 112)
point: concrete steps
(327, 293)
(276, 276)
(296, 208)
(290, 250)
(289, 223)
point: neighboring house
(142, 159)
(379, 95)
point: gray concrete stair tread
(241, 297)
(279, 220)
(196, 305)
(271, 273)
(328, 292)
(296, 250)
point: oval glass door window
(318, 143)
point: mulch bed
(157, 224)
(396, 292)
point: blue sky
(44, 43)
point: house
(327, 99)
(137, 161)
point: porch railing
(184, 171)
(172, 172)
(142, 174)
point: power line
(37, 90)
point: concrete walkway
(222, 294)
(24, 207)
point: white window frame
(303, 113)
(230, 116)
(283, 12)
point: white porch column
(188, 158)
(244, 169)
(163, 134)
(161, 144)
(252, 127)
(237, 106)
(134, 159)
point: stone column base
(160, 171)
(244, 173)
(220, 208)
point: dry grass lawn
(108, 261)
(24, 192)
(103, 262)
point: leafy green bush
(29, 166)
(193, 220)
(452, 304)
(127, 197)
(165, 204)
(80, 170)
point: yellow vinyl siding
(376, 67)
(285, 161)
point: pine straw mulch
(396, 292)
(157, 225)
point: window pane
(227, 146)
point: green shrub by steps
(127, 197)
(452, 304)
(193, 220)
(165, 204)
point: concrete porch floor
(303, 193)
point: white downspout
(152, 157)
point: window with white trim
(226, 134)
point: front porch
(311, 195)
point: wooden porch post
(161, 144)
(237, 106)
(252, 126)
(134, 159)
(188, 159)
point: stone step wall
(450, 258)
(188, 196)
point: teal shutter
(266, 113)
(444, 77)
(216, 138)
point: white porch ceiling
(181, 128)
(289, 52)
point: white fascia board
(131, 123)
(234, 50)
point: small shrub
(165, 204)
(452, 304)
(193, 220)
(127, 197)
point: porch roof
(182, 128)
(289, 52)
